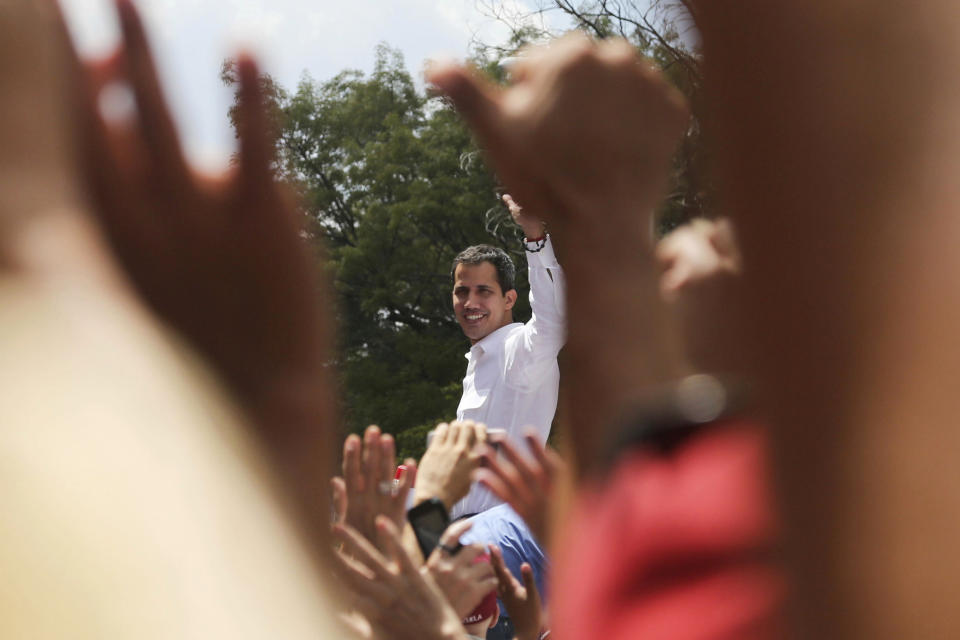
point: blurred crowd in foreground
(757, 412)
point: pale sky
(191, 38)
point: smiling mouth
(474, 317)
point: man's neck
(508, 320)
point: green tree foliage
(395, 188)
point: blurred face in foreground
(479, 303)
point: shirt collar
(492, 340)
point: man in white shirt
(512, 375)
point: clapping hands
(367, 489)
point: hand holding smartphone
(429, 520)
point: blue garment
(500, 525)
(503, 630)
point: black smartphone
(429, 520)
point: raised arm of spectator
(846, 209)
(220, 260)
(557, 141)
(701, 284)
(125, 466)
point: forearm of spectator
(293, 416)
(617, 347)
(838, 153)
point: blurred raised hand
(462, 578)
(398, 600)
(219, 258)
(522, 601)
(367, 489)
(556, 138)
(446, 467)
(527, 484)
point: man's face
(479, 304)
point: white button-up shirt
(512, 374)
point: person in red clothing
(678, 540)
(675, 545)
(675, 538)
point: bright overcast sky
(191, 38)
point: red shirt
(674, 546)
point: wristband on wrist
(540, 242)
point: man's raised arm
(587, 88)
(546, 331)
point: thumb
(475, 98)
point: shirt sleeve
(545, 333)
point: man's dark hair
(506, 272)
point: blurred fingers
(388, 458)
(506, 482)
(474, 97)
(530, 583)
(498, 487)
(539, 60)
(468, 554)
(362, 584)
(488, 584)
(548, 460)
(339, 488)
(617, 51)
(156, 124)
(470, 435)
(440, 434)
(256, 148)
(453, 532)
(454, 433)
(370, 459)
(108, 155)
(362, 549)
(505, 579)
(352, 471)
(390, 538)
(522, 467)
(479, 571)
